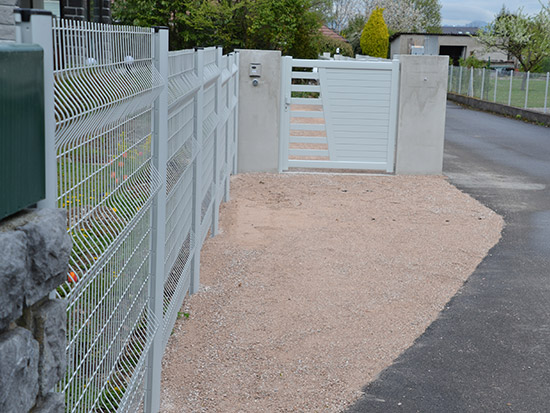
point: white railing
(144, 141)
(523, 90)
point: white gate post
(394, 113)
(286, 76)
(35, 26)
(158, 235)
(197, 173)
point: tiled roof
(325, 31)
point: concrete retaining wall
(34, 261)
(498, 108)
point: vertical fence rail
(144, 141)
(159, 154)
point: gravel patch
(315, 284)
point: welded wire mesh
(105, 84)
(183, 87)
(520, 89)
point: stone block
(13, 275)
(6, 15)
(51, 403)
(49, 247)
(50, 320)
(18, 371)
(14, 3)
(7, 32)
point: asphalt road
(489, 350)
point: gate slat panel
(358, 102)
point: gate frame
(287, 64)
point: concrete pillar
(421, 115)
(259, 107)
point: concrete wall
(259, 112)
(34, 261)
(500, 109)
(421, 115)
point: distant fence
(522, 90)
(144, 142)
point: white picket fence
(141, 143)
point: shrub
(375, 36)
(328, 44)
(472, 61)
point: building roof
(459, 30)
(325, 31)
(396, 35)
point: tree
(291, 26)
(287, 25)
(375, 36)
(430, 11)
(526, 38)
(353, 32)
(341, 13)
(399, 15)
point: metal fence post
(35, 26)
(471, 83)
(451, 79)
(482, 82)
(460, 80)
(527, 91)
(510, 91)
(159, 157)
(228, 147)
(496, 85)
(235, 145)
(197, 173)
(546, 93)
(217, 143)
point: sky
(461, 12)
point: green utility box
(22, 160)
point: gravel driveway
(315, 284)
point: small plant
(182, 314)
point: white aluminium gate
(338, 114)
